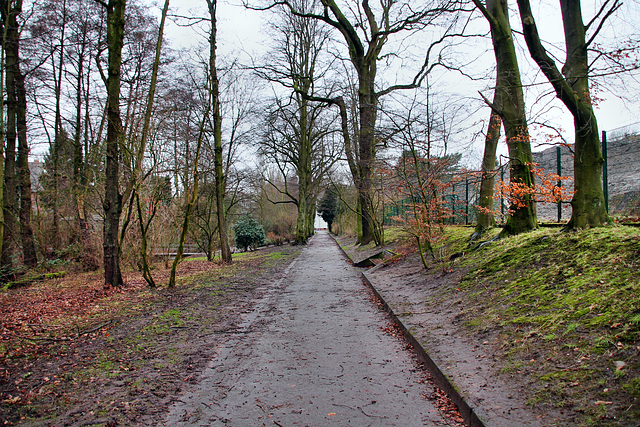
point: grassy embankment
(564, 311)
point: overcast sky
(242, 34)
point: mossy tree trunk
(29, 254)
(20, 182)
(3, 40)
(10, 236)
(486, 217)
(367, 106)
(112, 203)
(303, 163)
(220, 178)
(572, 87)
(509, 103)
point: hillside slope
(555, 316)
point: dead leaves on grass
(64, 309)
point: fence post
(466, 218)
(559, 172)
(453, 204)
(502, 197)
(605, 172)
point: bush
(249, 234)
(275, 240)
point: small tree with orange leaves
(417, 186)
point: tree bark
(572, 87)
(366, 155)
(4, 27)
(112, 204)
(509, 103)
(10, 207)
(486, 217)
(29, 254)
(303, 167)
(220, 179)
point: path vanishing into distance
(315, 351)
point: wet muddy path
(315, 351)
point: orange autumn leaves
(548, 188)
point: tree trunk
(11, 44)
(300, 237)
(486, 217)
(303, 169)
(18, 121)
(4, 27)
(572, 87)
(311, 217)
(220, 179)
(366, 158)
(112, 204)
(29, 254)
(588, 207)
(509, 102)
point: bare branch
(616, 5)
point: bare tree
(136, 179)
(112, 204)
(367, 30)
(298, 136)
(220, 178)
(238, 109)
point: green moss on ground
(566, 308)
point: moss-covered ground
(564, 309)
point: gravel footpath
(315, 351)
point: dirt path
(313, 352)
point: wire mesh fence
(621, 182)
